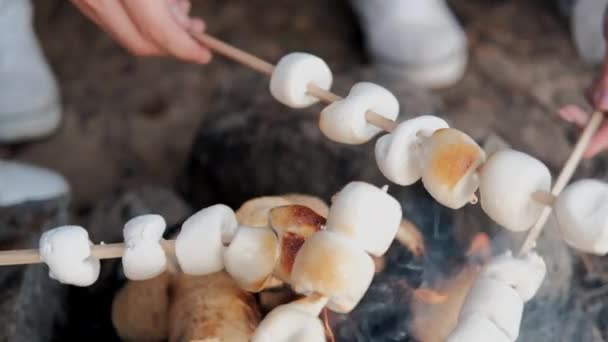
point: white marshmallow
(144, 257)
(398, 153)
(477, 328)
(292, 75)
(251, 257)
(199, 247)
(582, 214)
(344, 121)
(293, 322)
(330, 264)
(507, 181)
(67, 252)
(497, 301)
(524, 274)
(367, 215)
(450, 160)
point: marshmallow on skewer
(256, 212)
(450, 161)
(293, 322)
(199, 246)
(524, 274)
(67, 252)
(398, 153)
(292, 75)
(293, 224)
(144, 257)
(332, 265)
(251, 257)
(367, 215)
(344, 121)
(498, 302)
(477, 328)
(582, 213)
(507, 181)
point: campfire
(291, 268)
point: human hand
(149, 27)
(579, 117)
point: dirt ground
(131, 121)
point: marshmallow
(398, 153)
(144, 257)
(199, 247)
(67, 252)
(582, 214)
(332, 265)
(292, 75)
(256, 212)
(344, 121)
(498, 302)
(450, 161)
(293, 322)
(524, 274)
(507, 181)
(251, 257)
(477, 328)
(293, 224)
(367, 215)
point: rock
(31, 304)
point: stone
(31, 303)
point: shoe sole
(437, 75)
(18, 127)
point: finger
(196, 25)
(574, 114)
(112, 18)
(598, 143)
(156, 21)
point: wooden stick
(564, 177)
(100, 251)
(266, 68)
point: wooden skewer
(564, 177)
(100, 251)
(266, 68)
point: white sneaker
(21, 183)
(29, 99)
(587, 23)
(420, 39)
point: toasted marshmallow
(256, 212)
(507, 181)
(318, 205)
(344, 121)
(332, 265)
(199, 247)
(582, 214)
(498, 302)
(292, 75)
(398, 153)
(450, 161)
(477, 328)
(67, 252)
(293, 224)
(367, 215)
(144, 257)
(525, 274)
(293, 322)
(251, 257)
